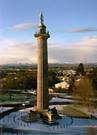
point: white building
(63, 85)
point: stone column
(42, 72)
(42, 93)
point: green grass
(14, 98)
(72, 111)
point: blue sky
(72, 25)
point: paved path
(91, 131)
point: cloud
(82, 30)
(23, 26)
(83, 51)
(12, 51)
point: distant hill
(55, 65)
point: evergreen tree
(80, 69)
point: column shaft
(42, 92)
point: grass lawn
(13, 98)
(72, 111)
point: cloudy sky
(72, 25)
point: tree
(85, 91)
(52, 78)
(93, 76)
(60, 90)
(21, 80)
(3, 74)
(80, 69)
(72, 86)
(25, 80)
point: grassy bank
(74, 112)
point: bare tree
(85, 91)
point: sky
(72, 25)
